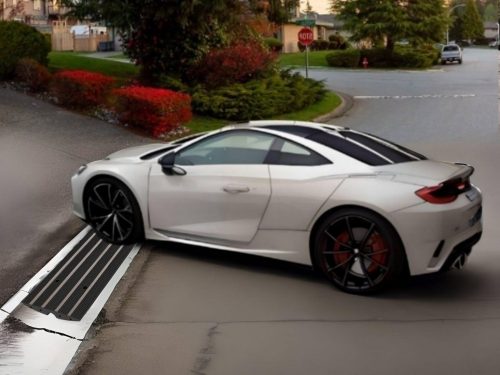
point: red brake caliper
(376, 243)
(343, 256)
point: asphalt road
(41, 146)
(448, 103)
(194, 310)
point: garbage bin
(105, 46)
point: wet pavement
(41, 146)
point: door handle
(235, 189)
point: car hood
(426, 172)
(138, 151)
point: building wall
(35, 11)
(490, 33)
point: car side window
(291, 153)
(233, 147)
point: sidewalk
(108, 56)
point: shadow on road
(465, 284)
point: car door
(224, 193)
(301, 182)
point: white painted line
(62, 269)
(44, 352)
(3, 315)
(77, 285)
(430, 96)
(77, 329)
(72, 272)
(15, 300)
(94, 282)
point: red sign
(306, 36)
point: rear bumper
(431, 232)
(462, 248)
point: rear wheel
(112, 211)
(358, 251)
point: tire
(358, 251)
(112, 211)
(443, 62)
(460, 61)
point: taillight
(445, 192)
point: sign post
(306, 37)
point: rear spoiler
(463, 173)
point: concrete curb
(344, 107)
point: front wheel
(358, 251)
(113, 212)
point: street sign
(306, 36)
(306, 22)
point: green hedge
(258, 99)
(273, 44)
(17, 41)
(348, 58)
(401, 57)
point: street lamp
(448, 27)
(498, 35)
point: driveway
(194, 310)
(41, 146)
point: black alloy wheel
(113, 212)
(358, 251)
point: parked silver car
(451, 53)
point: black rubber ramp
(71, 288)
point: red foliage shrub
(155, 110)
(34, 74)
(80, 89)
(239, 62)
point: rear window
(349, 148)
(364, 147)
(391, 151)
(450, 48)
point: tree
(164, 36)
(427, 21)
(280, 11)
(309, 8)
(376, 20)
(387, 21)
(490, 13)
(472, 24)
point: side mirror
(168, 165)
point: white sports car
(359, 208)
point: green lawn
(327, 105)
(203, 124)
(70, 60)
(316, 58)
